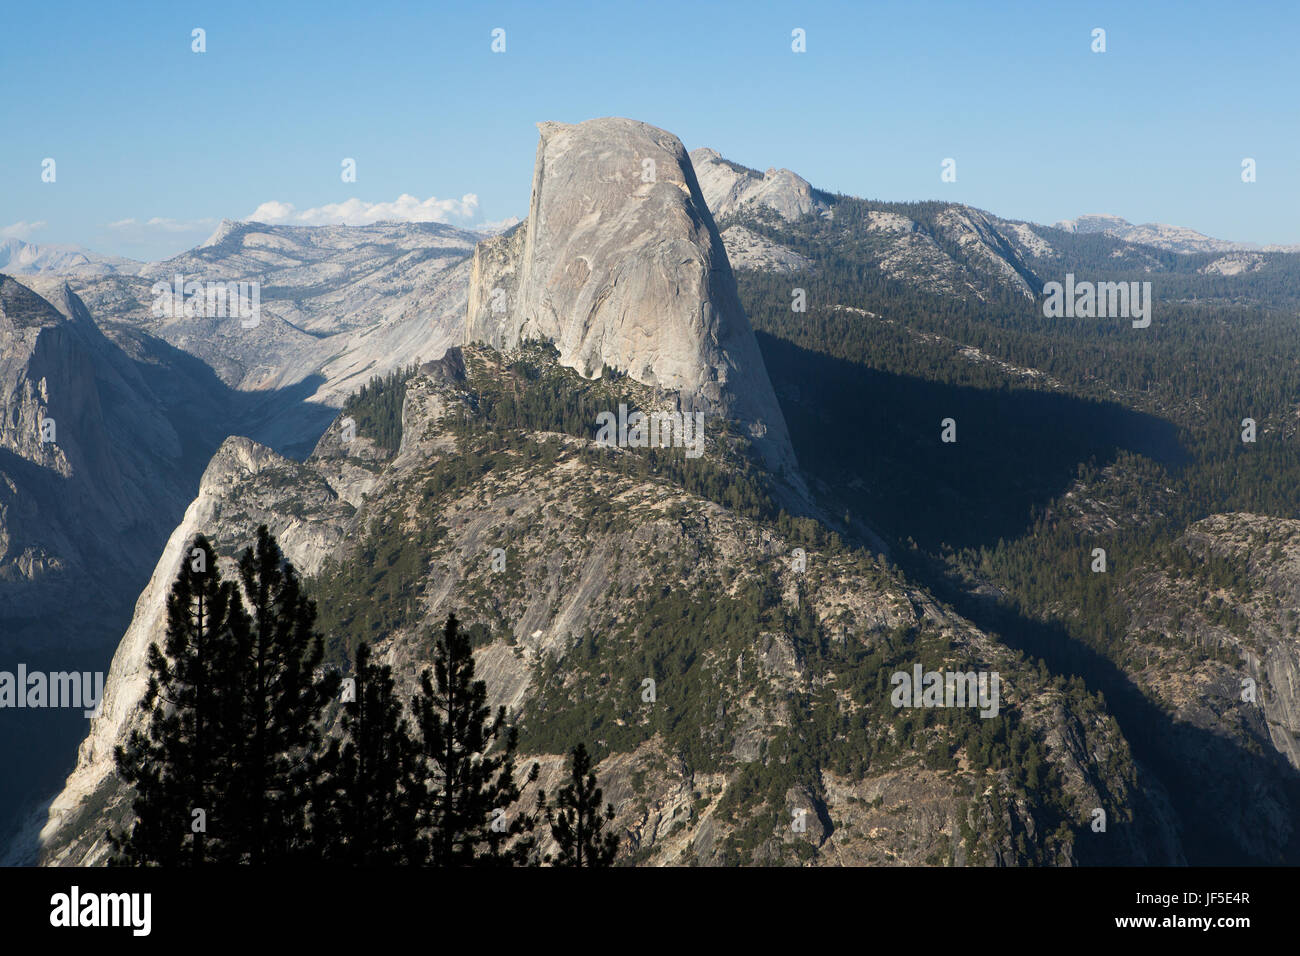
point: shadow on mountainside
(1018, 450)
(74, 618)
(878, 433)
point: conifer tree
(176, 767)
(576, 820)
(368, 798)
(469, 758)
(282, 702)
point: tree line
(256, 754)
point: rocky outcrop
(620, 265)
(985, 249)
(1215, 638)
(1234, 264)
(748, 250)
(245, 485)
(730, 188)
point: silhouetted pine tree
(179, 766)
(282, 704)
(576, 820)
(368, 798)
(472, 792)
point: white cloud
(358, 212)
(272, 212)
(21, 230)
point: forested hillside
(1072, 435)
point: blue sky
(155, 143)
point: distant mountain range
(727, 186)
(1162, 236)
(27, 258)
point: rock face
(728, 187)
(1220, 649)
(82, 502)
(621, 266)
(242, 479)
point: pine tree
(368, 799)
(576, 820)
(177, 768)
(283, 700)
(467, 810)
